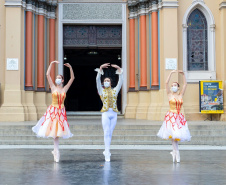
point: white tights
(175, 145)
(56, 144)
(109, 120)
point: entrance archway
(86, 47)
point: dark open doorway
(83, 96)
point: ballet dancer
(175, 125)
(109, 110)
(54, 122)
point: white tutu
(53, 124)
(174, 127)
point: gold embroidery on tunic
(109, 100)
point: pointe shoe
(107, 156)
(178, 156)
(173, 153)
(57, 156)
(54, 155)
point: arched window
(199, 59)
(197, 42)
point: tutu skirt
(53, 124)
(174, 127)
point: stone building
(147, 38)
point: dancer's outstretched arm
(99, 73)
(184, 83)
(66, 87)
(167, 81)
(51, 84)
(119, 72)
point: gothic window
(197, 42)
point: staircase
(88, 131)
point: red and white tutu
(174, 127)
(53, 124)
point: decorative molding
(36, 6)
(41, 7)
(93, 1)
(154, 7)
(14, 3)
(92, 36)
(212, 27)
(143, 8)
(195, 76)
(29, 6)
(184, 27)
(24, 4)
(222, 5)
(198, 1)
(95, 11)
(169, 4)
(132, 12)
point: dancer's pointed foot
(178, 156)
(107, 156)
(173, 153)
(54, 155)
(57, 156)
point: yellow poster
(211, 97)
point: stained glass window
(197, 42)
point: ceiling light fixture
(92, 53)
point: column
(28, 60)
(52, 43)
(41, 96)
(40, 75)
(132, 53)
(155, 81)
(12, 108)
(223, 50)
(143, 53)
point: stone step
(114, 142)
(115, 137)
(119, 127)
(92, 134)
(147, 132)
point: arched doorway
(86, 48)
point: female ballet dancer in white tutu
(109, 110)
(54, 122)
(175, 125)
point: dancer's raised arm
(66, 87)
(184, 82)
(119, 72)
(98, 78)
(51, 84)
(167, 82)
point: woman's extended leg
(56, 152)
(113, 122)
(175, 145)
(107, 133)
(175, 153)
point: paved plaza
(132, 167)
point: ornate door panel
(92, 36)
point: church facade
(147, 38)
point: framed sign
(171, 63)
(12, 64)
(211, 97)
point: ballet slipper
(107, 156)
(173, 153)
